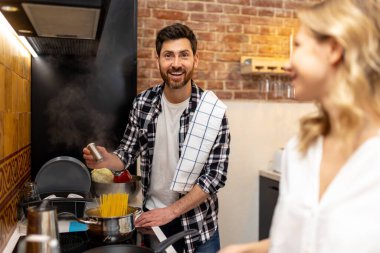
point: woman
(330, 187)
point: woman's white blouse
(346, 219)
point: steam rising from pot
(74, 121)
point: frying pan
(119, 248)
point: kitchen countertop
(271, 174)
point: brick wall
(226, 30)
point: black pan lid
(63, 174)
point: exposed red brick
(231, 9)
(284, 31)
(206, 36)
(294, 4)
(283, 13)
(149, 43)
(146, 32)
(145, 53)
(204, 75)
(252, 29)
(266, 21)
(153, 23)
(226, 30)
(224, 94)
(195, 7)
(263, 39)
(265, 13)
(215, 85)
(234, 75)
(268, 30)
(171, 15)
(206, 56)
(201, 84)
(214, 46)
(197, 27)
(217, 28)
(268, 3)
(227, 38)
(246, 95)
(251, 10)
(155, 73)
(144, 73)
(232, 47)
(156, 4)
(235, 19)
(143, 12)
(248, 49)
(234, 28)
(214, 8)
(233, 85)
(203, 66)
(239, 2)
(176, 5)
(291, 22)
(146, 63)
(205, 17)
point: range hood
(58, 27)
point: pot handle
(87, 221)
(172, 239)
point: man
(156, 131)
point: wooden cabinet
(267, 202)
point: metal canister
(94, 151)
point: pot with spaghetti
(104, 181)
(113, 220)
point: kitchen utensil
(43, 220)
(110, 230)
(30, 192)
(132, 187)
(125, 248)
(63, 174)
(38, 244)
(94, 151)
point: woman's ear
(337, 51)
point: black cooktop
(78, 242)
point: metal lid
(63, 174)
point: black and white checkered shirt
(139, 139)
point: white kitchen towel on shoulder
(203, 130)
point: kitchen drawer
(267, 202)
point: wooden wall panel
(14, 172)
(15, 115)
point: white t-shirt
(166, 154)
(346, 219)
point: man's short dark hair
(174, 32)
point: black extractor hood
(58, 27)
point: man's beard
(176, 84)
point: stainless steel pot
(132, 187)
(110, 230)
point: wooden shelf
(250, 64)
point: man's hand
(155, 217)
(110, 160)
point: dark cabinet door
(267, 200)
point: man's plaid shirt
(139, 139)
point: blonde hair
(355, 25)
